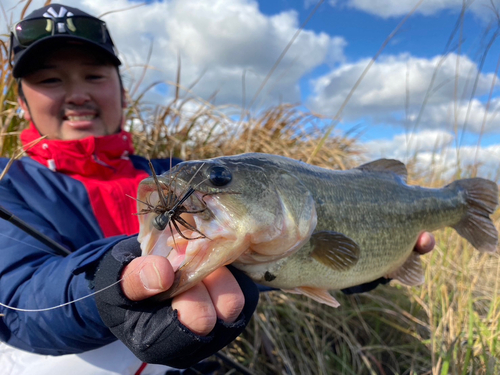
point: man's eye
(94, 77)
(49, 80)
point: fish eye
(220, 176)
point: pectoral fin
(411, 272)
(319, 295)
(334, 250)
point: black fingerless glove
(151, 330)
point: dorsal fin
(411, 272)
(386, 165)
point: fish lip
(171, 292)
(151, 237)
(192, 259)
(185, 279)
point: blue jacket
(32, 276)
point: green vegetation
(449, 325)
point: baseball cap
(53, 25)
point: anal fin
(411, 273)
(317, 294)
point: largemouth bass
(302, 228)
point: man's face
(73, 95)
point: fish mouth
(200, 229)
(177, 229)
(198, 238)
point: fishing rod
(25, 227)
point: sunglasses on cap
(31, 30)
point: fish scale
(384, 216)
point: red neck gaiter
(103, 166)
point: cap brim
(26, 60)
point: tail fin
(476, 225)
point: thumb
(425, 243)
(146, 276)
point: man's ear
(124, 99)
(25, 108)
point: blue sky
(220, 41)
(422, 36)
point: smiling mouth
(80, 118)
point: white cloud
(437, 149)
(404, 146)
(217, 40)
(396, 87)
(310, 3)
(486, 158)
(395, 8)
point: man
(73, 188)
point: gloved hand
(153, 331)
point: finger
(226, 294)
(425, 243)
(146, 276)
(195, 310)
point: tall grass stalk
(450, 325)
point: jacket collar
(100, 157)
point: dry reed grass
(447, 326)
(209, 131)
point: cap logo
(61, 26)
(51, 13)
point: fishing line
(66, 303)
(63, 304)
(135, 270)
(27, 244)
